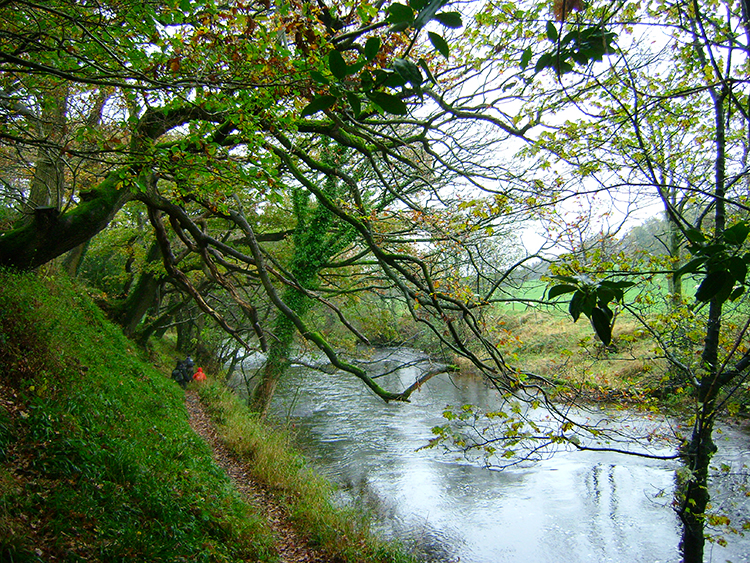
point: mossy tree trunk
(47, 188)
(143, 296)
(51, 232)
(317, 237)
(276, 365)
(693, 488)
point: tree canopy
(272, 157)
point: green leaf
(695, 236)
(449, 19)
(716, 284)
(736, 234)
(712, 250)
(570, 37)
(366, 81)
(390, 79)
(427, 12)
(552, 31)
(543, 62)
(588, 303)
(318, 103)
(399, 27)
(388, 102)
(691, 267)
(738, 291)
(400, 14)
(576, 305)
(561, 289)
(563, 67)
(355, 103)
(738, 268)
(318, 77)
(408, 71)
(582, 57)
(372, 47)
(600, 321)
(605, 295)
(440, 44)
(366, 13)
(357, 66)
(338, 65)
(509, 86)
(526, 58)
(427, 71)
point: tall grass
(341, 532)
(97, 461)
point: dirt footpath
(290, 544)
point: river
(574, 507)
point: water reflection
(575, 507)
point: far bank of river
(574, 507)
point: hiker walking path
(290, 544)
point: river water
(573, 507)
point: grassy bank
(341, 532)
(549, 344)
(98, 462)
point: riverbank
(578, 506)
(291, 547)
(98, 461)
(572, 365)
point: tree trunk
(276, 364)
(694, 489)
(159, 326)
(675, 248)
(74, 258)
(701, 447)
(139, 301)
(317, 237)
(185, 330)
(48, 184)
(50, 234)
(142, 297)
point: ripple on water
(575, 507)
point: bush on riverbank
(97, 460)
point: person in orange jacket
(199, 375)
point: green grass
(547, 342)
(102, 464)
(633, 368)
(550, 344)
(98, 461)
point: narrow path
(291, 546)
